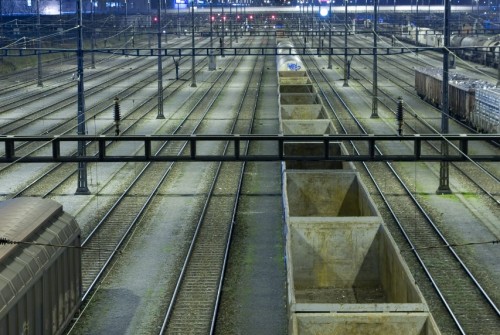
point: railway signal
(117, 116)
(399, 116)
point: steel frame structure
(459, 148)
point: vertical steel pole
(237, 25)
(211, 27)
(1, 21)
(306, 24)
(160, 67)
(82, 187)
(166, 25)
(346, 76)
(444, 177)
(193, 72)
(211, 58)
(230, 26)
(92, 42)
(178, 22)
(416, 28)
(223, 31)
(330, 38)
(375, 65)
(39, 51)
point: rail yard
(252, 247)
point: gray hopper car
(40, 285)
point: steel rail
(90, 289)
(97, 89)
(196, 233)
(235, 208)
(107, 144)
(434, 284)
(433, 130)
(430, 221)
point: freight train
(345, 273)
(40, 279)
(471, 101)
(482, 49)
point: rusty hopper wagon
(462, 91)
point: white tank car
(288, 60)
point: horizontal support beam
(62, 148)
(239, 51)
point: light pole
(82, 187)
(160, 67)
(444, 174)
(306, 23)
(416, 26)
(395, 17)
(346, 65)
(211, 60)
(375, 79)
(179, 21)
(230, 25)
(223, 32)
(92, 41)
(330, 38)
(193, 72)
(39, 51)
(237, 25)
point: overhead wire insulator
(399, 116)
(117, 116)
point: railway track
(60, 173)
(150, 179)
(405, 65)
(140, 110)
(191, 121)
(481, 175)
(17, 93)
(193, 307)
(469, 308)
(57, 108)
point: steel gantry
(235, 51)
(459, 145)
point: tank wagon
(482, 49)
(464, 95)
(289, 63)
(345, 274)
(40, 285)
